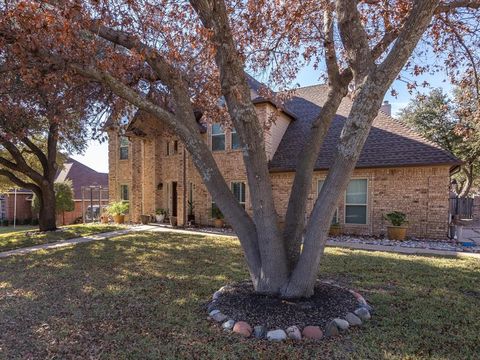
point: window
(235, 140)
(124, 148)
(175, 147)
(218, 138)
(238, 189)
(124, 192)
(319, 187)
(356, 202)
(167, 149)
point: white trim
(367, 216)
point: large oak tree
(195, 52)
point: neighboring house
(22, 209)
(88, 181)
(397, 170)
(81, 176)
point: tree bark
(467, 184)
(47, 216)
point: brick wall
(420, 192)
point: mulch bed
(240, 303)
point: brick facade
(151, 174)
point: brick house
(397, 170)
(81, 176)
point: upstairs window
(238, 189)
(319, 188)
(356, 202)
(218, 137)
(167, 149)
(124, 148)
(235, 139)
(124, 192)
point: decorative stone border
(333, 328)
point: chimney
(386, 108)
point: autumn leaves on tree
(193, 53)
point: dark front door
(174, 198)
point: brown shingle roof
(81, 175)
(389, 144)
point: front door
(174, 198)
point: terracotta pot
(218, 223)
(119, 219)
(145, 219)
(173, 220)
(335, 231)
(104, 219)
(397, 232)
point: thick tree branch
(17, 181)
(21, 164)
(37, 152)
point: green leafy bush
(216, 213)
(117, 208)
(396, 218)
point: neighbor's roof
(389, 144)
(80, 175)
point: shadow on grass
(140, 296)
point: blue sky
(96, 156)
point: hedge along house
(397, 170)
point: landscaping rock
(341, 324)
(276, 335)
(219, 317)
(353, 319)
(312, 332)
(212, 306)
(213, 312)
(368, 307)
(228, 325)
(259, 332)
(331, 329)
(293, 332)
(242, 328)
(362, 313)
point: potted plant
(160, 215)
(118, 210)
(191, 215)
(335, 229)
(398, 230)
(217, 217)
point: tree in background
(173, 59)
(64, 198)
(452, 125)
(38, 121)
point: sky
(96, 155)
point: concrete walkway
(157, 228)
(80, 240)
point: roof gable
(389, 144)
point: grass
(9, 229)
(21, 238)
(140, 296)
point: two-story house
(397, 170)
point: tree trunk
(467, 185)
(47, 219)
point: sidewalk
(159, 228)
(80, 240)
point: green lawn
(9, 229)
(20, 238)
(140, 296)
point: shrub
(4, 222)
(216, 213)
(160, 211)
(117, 208)
(34, 221)
(396, 218)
